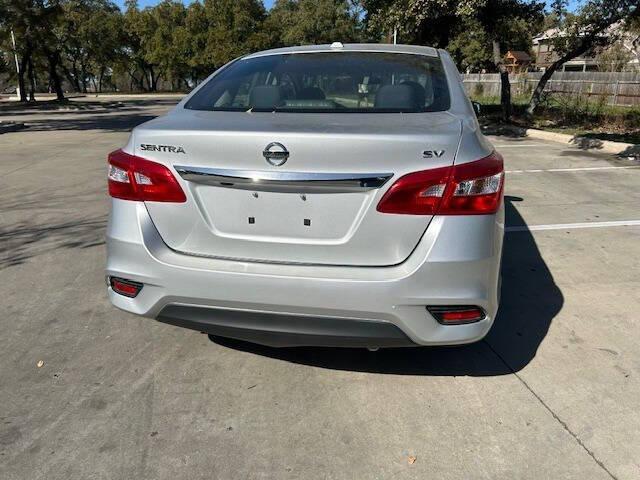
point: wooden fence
(618, 88)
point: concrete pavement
(551, 393)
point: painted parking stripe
(576, 169)
(568, 226)
(518, 145)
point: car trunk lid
(316, 207)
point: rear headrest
(265, 96)
(401, 96)
(421, 95)
(311, 93)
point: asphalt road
(553, 392)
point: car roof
(350, 47)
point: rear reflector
(473, 188)
(124, 287)
(457, 314)
(135, 178)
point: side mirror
(476, 107)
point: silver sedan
(334, 195)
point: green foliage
(578, 108)
(92, 44)
(596, 24)
(164, 39)
(90, 37)
(305, 22)
(614, 58)
(478, 90)
(471, 47)
(234, 29)
(465, 28)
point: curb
(6, 127)
(586, 143)
(583, 143)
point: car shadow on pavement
(116, 116)
(530, 301)
(113, 123)
(22, 241)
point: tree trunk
(537, 93)
(536, 97)
(72, 77)
(32, 81)
(84, 75)
(143, 78)
(505, 86)
(54, 59)
(100, 78)
(152, 80)
(21, 83)
(76, 78)
(135, 82)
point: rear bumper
(285, 330)
(456, 263)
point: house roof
(557, 33)
(519, 55)
(547, 34)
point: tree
(105, 36)
(138, 27)
(588, 29)
(423, 22)
(614, 58)
(195, 42)
(234, 29)
(508, 23)
(309, 22)
(91, 37)
(21, 18)
(164, 42)
(497, 25)
(631, 38)
(471, 48)
(36, 26)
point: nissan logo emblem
(276, 154)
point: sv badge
(432, 153)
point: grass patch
(576, 115)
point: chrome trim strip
(271, 181)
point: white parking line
(567, 226)
(518, 145)
(576, 169)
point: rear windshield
(340, 82)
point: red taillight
(457, 314)
(418, 193)
(473, 188)
(125, 287)
(134, 178)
